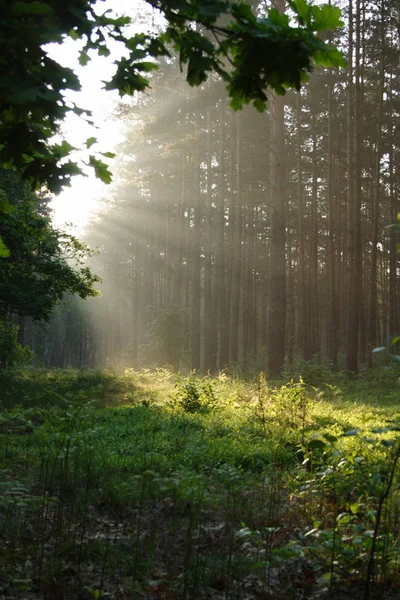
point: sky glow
(76, 204)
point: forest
(246, 240)
(199, 393)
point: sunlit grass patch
(200, 485)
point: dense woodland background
(245, 239)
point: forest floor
(149, 485)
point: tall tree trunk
(313, 274)
(210, 358)
(372, 337)
(333, 239)
(134, 307)
(393, 239)
(223, 305)
(196, 268)
(248, 289)
(354, 216)
(290, 303)
(277, 267)
(303, 328)
(236, 254)
(21, 330)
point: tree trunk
(277, 267)
(333, 239)
(195, 244)
(223, 305)
(236, 255)
(210, 358)
(354, 216)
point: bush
(195, 394)
(10, 351)
(313, 372)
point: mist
(247, 241)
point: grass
(149, 485)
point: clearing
(150, 485)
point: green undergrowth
(152, 485)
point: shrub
(195, 394)
(10, 351)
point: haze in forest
(76, 204)
(244, 240)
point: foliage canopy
(36, 274)
(250, 53)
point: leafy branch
(251, 54)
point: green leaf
(326, 17)
(5, 206)
(90, 141)
(27, 158)
(70, 80)
(20, 9)
(277, 18)
(259, 105)
(209, 8)
(396, 340)
(388, 443)
(108, 154)
(62, 150)
(326, 577)
(344, 518)
(83, 58)
(368, 440)
(329, 57)
(156, 47)
(244, 12)
(330, 438)
(4, 251)
(146, 67)
(314, 444)
(103, 51)
(22, 96)
(350, 432)
(121, 21)
(355, 508)
(302, 9)
(73, 34)
(100, 169)
(236, 102)
(135, 44)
